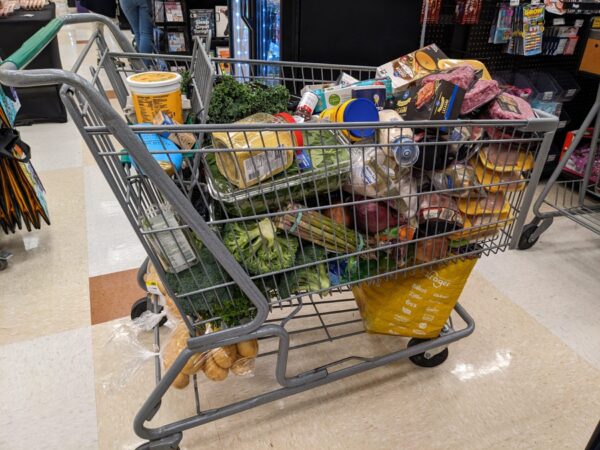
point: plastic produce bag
(417, 305)
(216, 364)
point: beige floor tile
(512, 384)
(47, 393)
(45, 288)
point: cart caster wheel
(3, 264)
(525, 241)
(422, 361)
(141, 306)
(166, 443)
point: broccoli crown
(257, 246)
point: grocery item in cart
(357, 110)
(319, 229)
(505, 158)
(247, 167)
(457, 176)
(172, 247)
(483, 92)
(414, 305)
(464, 144)
(431, 249)
(181, 139)
(434, 100)
(330, 167)
(306, 107)
(483, 226)
(510, 107)
(312, 278)
(374, 216)
(494, 203)
(438, 214)
(495, 181)
(462, 76)
(374, 173)
(375, 94)
(258, 246)
(154, 92)
(409, 68)
(169, 162)
(231, 101)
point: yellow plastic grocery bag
(417, 305)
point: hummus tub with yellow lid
(249, 164)
(154, 92)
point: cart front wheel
(525, 241)
(422, 360)
(141, 306)
(3, 264)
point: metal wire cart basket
(575, 199)
(257, 247)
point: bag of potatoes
(216, 363)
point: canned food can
(307, 105)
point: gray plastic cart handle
(36, 43)
(11, 75)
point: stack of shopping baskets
(247, 245)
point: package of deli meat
(484, 91)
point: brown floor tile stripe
(112, 295)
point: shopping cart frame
(169, 436)
(569, 198)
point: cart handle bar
(38, 42)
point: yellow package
(483, 226)
(247, 167)
(494, 203)
(487, 177)
(417, 305)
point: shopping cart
(578, 200)
(183, 213)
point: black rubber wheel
(525, 242)
(420, 359)
(141, 306)
(3, 264)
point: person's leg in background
(145, 39)
(131, 10)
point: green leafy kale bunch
(257, 246)
(232, 101)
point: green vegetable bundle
(232, 101)
(319, 229)
(309, 279)
(257, 247)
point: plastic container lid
(297, 133)
(153, 79)
(361, 110)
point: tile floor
(73, 373)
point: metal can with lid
(307, 106)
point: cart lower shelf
(292, 326)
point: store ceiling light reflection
(465, 371)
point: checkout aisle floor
(527, 378)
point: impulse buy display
(307, 209)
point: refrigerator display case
(256, 29)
